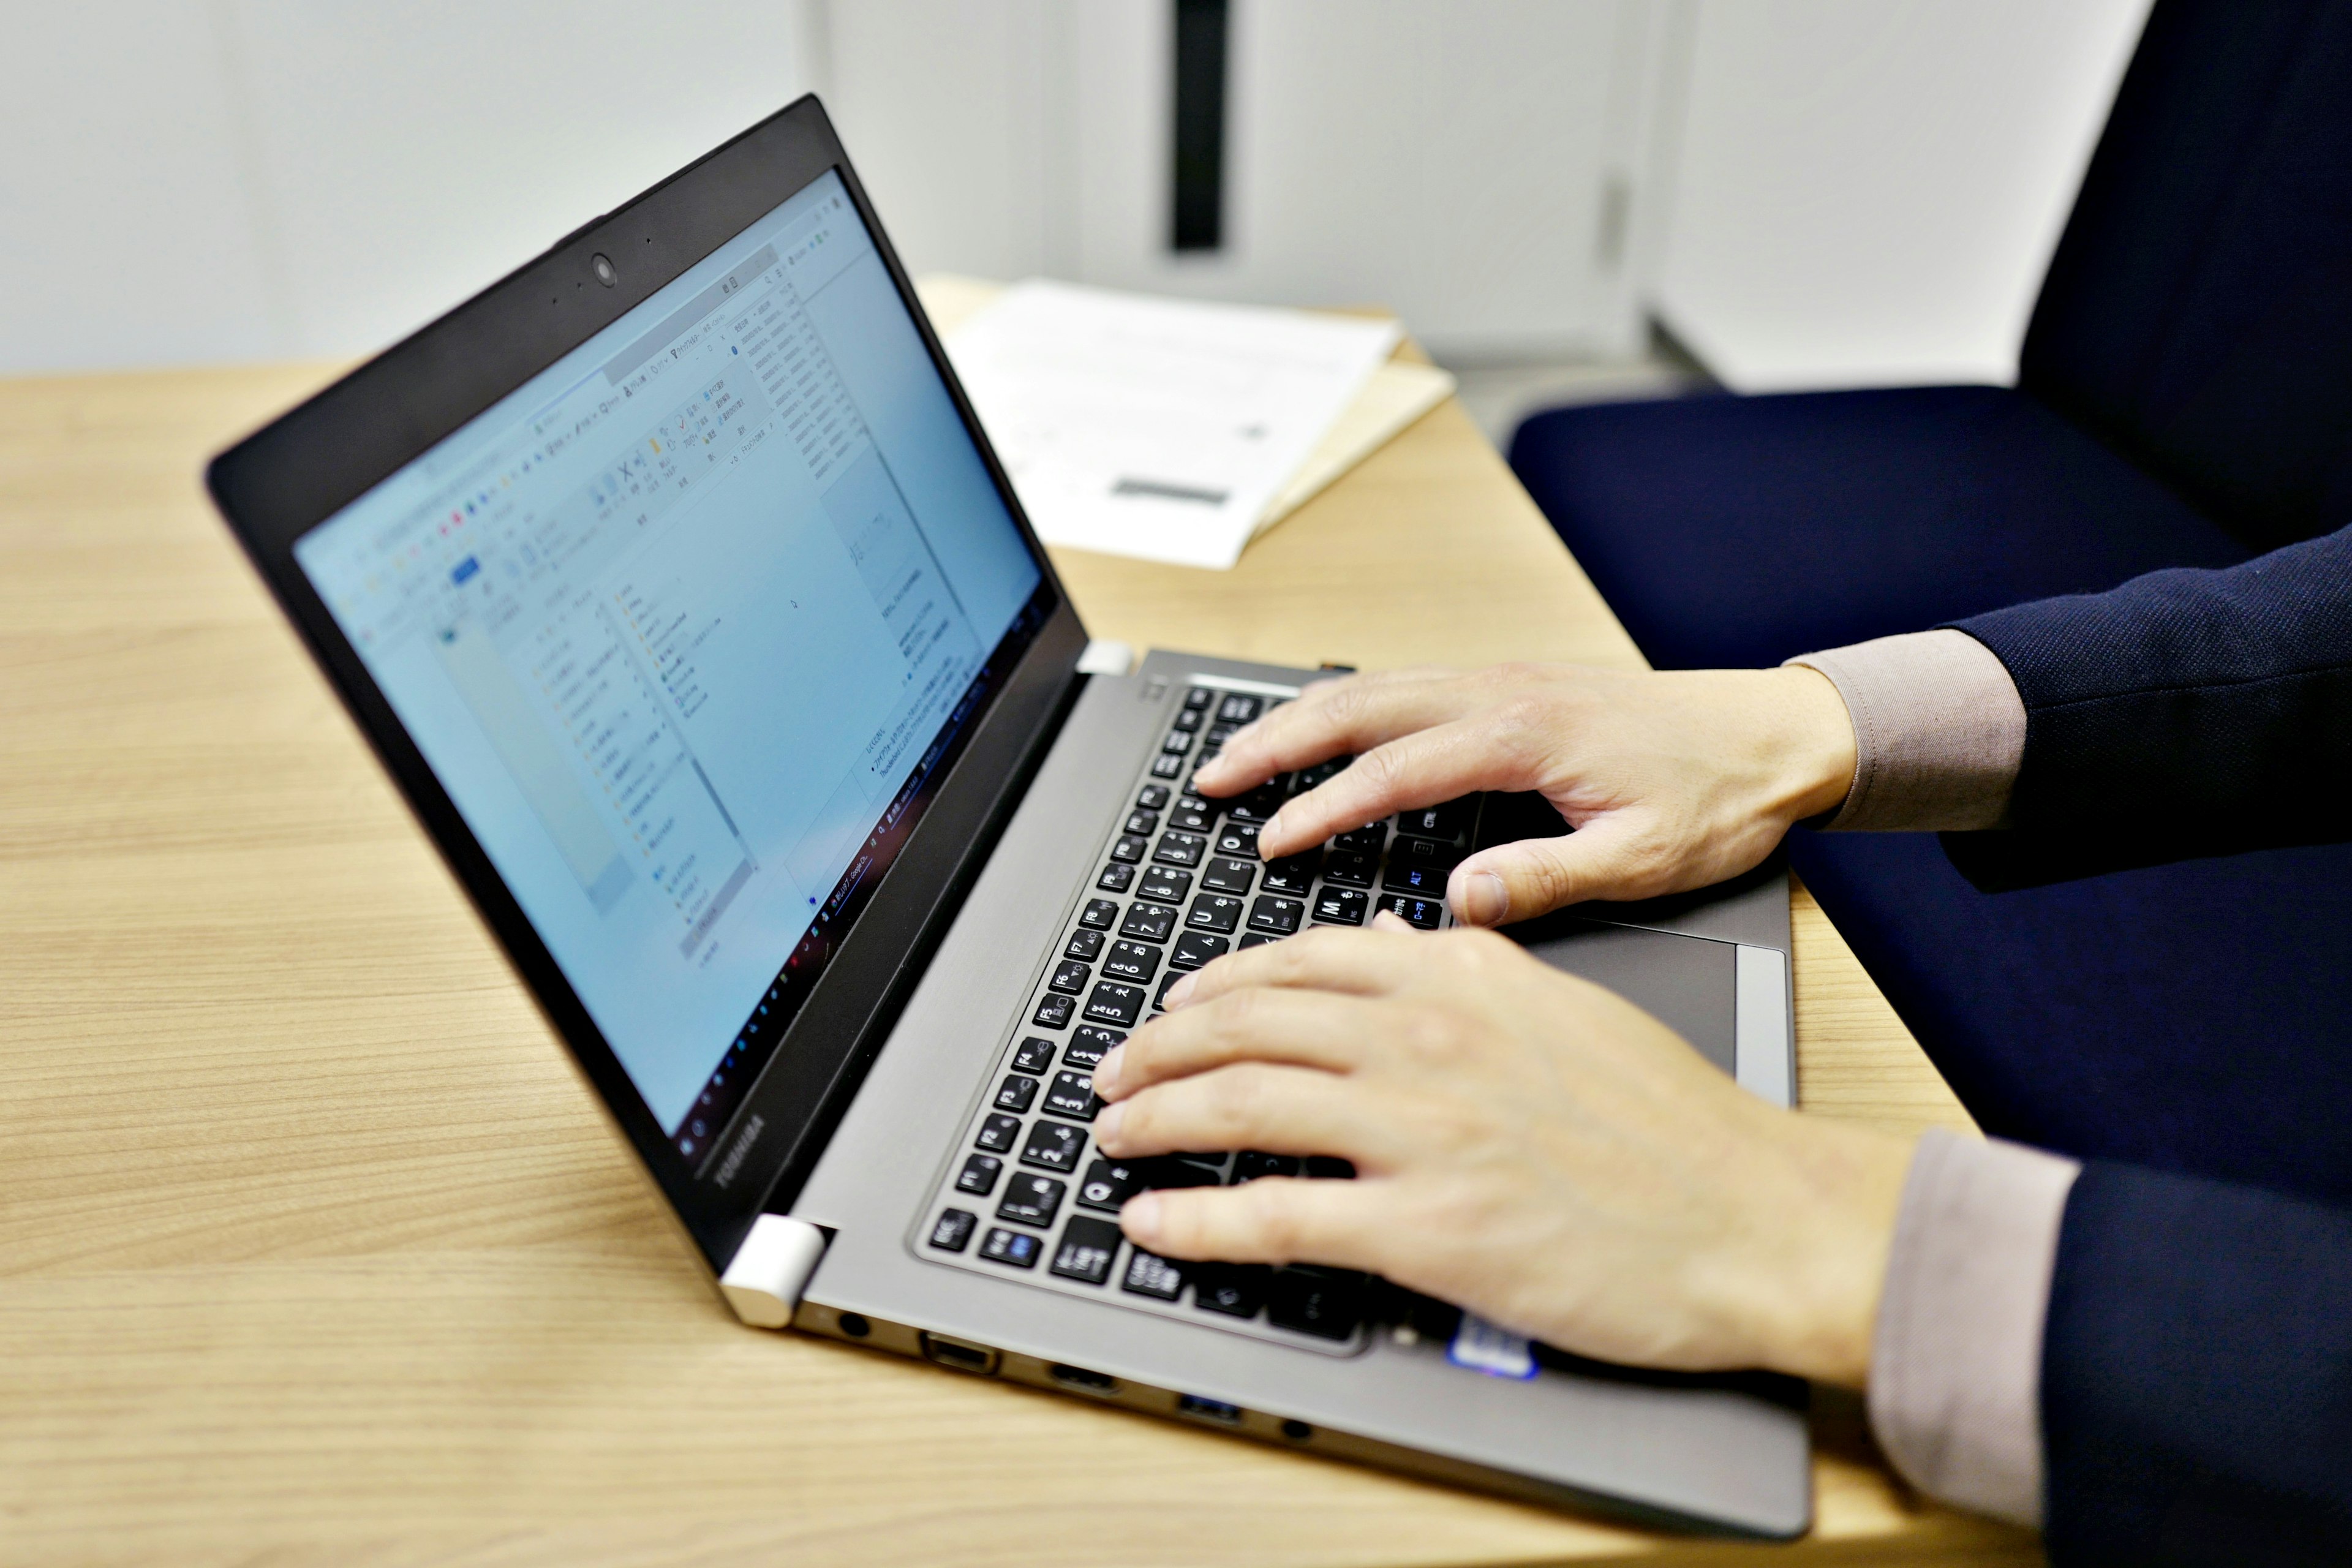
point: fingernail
(1178, 995)
(1140, 1219)
(1107, 1072)
(1106, 1125)
(1485, 900)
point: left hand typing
(1528, 1145)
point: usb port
(962, 1354)
(1080, 1378)
(1215, 1410)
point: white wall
(202, 180)
(1868, 191)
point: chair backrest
(2197, 314)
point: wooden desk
(311, 1245)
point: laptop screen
(688, 628)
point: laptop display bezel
(285, 479)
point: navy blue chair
(2184, 397)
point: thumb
(1517, 881)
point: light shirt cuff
(1955, 1362)
(1938, 732)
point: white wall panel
(1869, 190)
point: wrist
(1829, 1259)
(1815, 743)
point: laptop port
(1078, 1377)
(1215, 1410)
(962, 1354)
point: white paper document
(1167, 430)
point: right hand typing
(1673, 780)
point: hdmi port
(1215, 1410)
(1078, 1377)
(961, 1354)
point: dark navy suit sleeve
(2197, 1376)
(2187, 712)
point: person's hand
(1529, 1146)
(1673, 780)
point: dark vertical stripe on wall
(1197, 221)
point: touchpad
(1687, 982)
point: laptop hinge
(764, 1279)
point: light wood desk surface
(312, 1248)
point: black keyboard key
(1089, 1046)
(1012, 1246)
(1165, 884)
(1072, 1094)
(1085, 946)
(1115, 1004)
(1016, 1093)
(1148, 1274)
(1153, 798)
(1424, 913)
(1033, 1055)
(1070, 976)
(1109, 1183)
(1220, 733)
(1116, 878)
(1341, 906)
(1132, 960)
(1363, 840)
(1293, 874)
(1330, 1168)
(1167, 983)
(1053, 1011)
(1322, 773)
(1088, 1249)
(1055, 1145)
(1145, 823)
(1239, 708)
(1196, 947)
(1214, 911)
(1199, 698)
(1180, 848)
(1176, 742)
(1147, 922)
(978, 1176)
(1447, 822)
(952, 1232)
(1421, 881)
(1238, 839)
(1236, 1289)
(1167, 767)
(1278, 916)
(1030, 1200)
(998, 1131)
(1324, 1302)
(1097, 915)
(1429, 852)
(1189, 819)
(1252, 941)
(1187, 718)
(1225, 876)
(1348, 868)
(1256, 805)
(1252, 1164)
(1176, 1171)
(1130, 848)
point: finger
(1605, 858)
(1389, 920)
(1297, 1029)
(1332, 719)
(1252, 1105)
(1328, 958)
(1420, 769)
(1274, 1220)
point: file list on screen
(679, 625)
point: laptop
(675, 584)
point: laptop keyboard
(1027, 1194)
